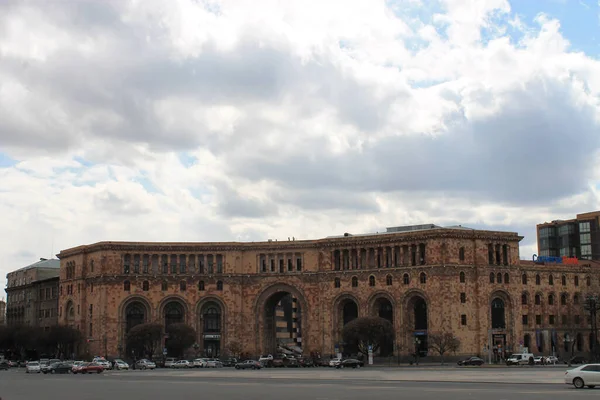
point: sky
(208, 120)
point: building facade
(579, 237)
(32, 294)
(2, 312)
(424, 280)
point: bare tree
(235, 348)
(368, 331)
(443, 343)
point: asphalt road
(134, 385)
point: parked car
(350, 363)
(230, 362)
(200, 363)
(45, 366)
(4, 365)
(551, 360)
(59, 368)
(334, 362)
(471, 361)
(88, 368)
(181, 364)
(248, 364)
(119, 364)
(520, 359)
(145, 364)
(170, 361)
(214, 363)
(584, 375)
(33, 367)
(306, 362)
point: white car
(334, 362)
(145, 364)
(181, 364)
(584, 375)
(265, 358)
(214, 363)
(200, 363)
(33, 366)
(120, 365)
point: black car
(471, 361)
(576, 360)
(350, 363)
(4, 365)
(59, 368)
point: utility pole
(592, 305)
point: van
(520, 359)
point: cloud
(227, 120)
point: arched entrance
(174, 313)
(383, 308)
(211, 319)
(280, 312)
(498, 314)
(500, 340)
(135, 314)
(347, 310)
(70, 314)
(418, 320)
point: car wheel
(51, 371)
(236, 367)
(99, 371)
(358, 365)
(578, 383)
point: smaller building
(2, 312)
(578, 237)
(32, 294)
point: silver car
(33, 367)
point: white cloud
(237, 120)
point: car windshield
(34, 363)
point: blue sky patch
(6, 161)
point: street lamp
(592, 305)
(417, 346)
(568, 340)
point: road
(264, 385)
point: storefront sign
(213, 337)
(556, 260)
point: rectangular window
(585, 238)
(551, 319)
(298, 264)
(48, 293)
(219, 264)
(54, 290)
(136, 264)
(272, 265)
(463, 319)
(538, 319)
(91, 330)
(145, 263)
(586, 250)
(263, 265)
(525, 320)
(463, 298)
(290, 265)
(42, 294)
(584, 227)
(281, 266)
(577, 320)
(564, 320)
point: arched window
(371, 280)
(538, 280)
(506, 278)
(461, 277)
(499, 277)
(563, 299)
(551, 299)
(576, 280)
(135, 314)
(550, 280)
(336, 282)
(524, 299)
(461, 254)
(354, 281)
(145, 286)
(492, 277)
(182, 286)
(219, 285)
(538, 300)
(498, 318)
(524, 279)
(126, 286)
(527, 341)
(388, 280)
(563, 280)
(406, 279)
(576, 299)
(423, 278)
(588, 281)
(164, 286)
(201, 285)
(212, 319)
(173, 313)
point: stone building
(2, 312)
(32, 294)
(425, 279)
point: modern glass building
(578, 237)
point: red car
(88, 368)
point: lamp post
(417, 346)
(120, 349)
(592, 305)
(568, 340)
